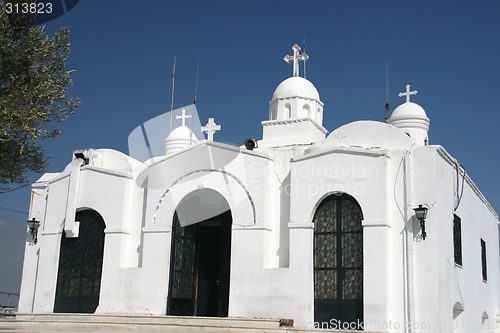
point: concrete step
(151, 320)
(30, 323)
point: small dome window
(307, 110)
(286, 111)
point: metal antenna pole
(173, 90)
(386, 91)
(304, 42)
(194, 101)
(196, 84)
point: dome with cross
(295, 110)
(411, 118)
(409, 109)
(178, 139)
(296, 86)
(181, 137)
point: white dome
(178, 139)
(411, 119)
(296, 86)
(409, 109)
(180, 133)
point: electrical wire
(13, 210)
(15, 189)
(459, 197)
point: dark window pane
(352, 250)
(457, 239)
(483, 260)
(325, 220)
(352, 286)
(351, 217)
(325, 250)
(325, 284)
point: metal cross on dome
(296, 58)
(211, 127)
(408, 93)
(183, 117)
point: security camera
(251, 144)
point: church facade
(369, 227)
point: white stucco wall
(273, 195)
(444, 282)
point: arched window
(338, 260)
(273, 114)
(287, 111)
(306, 110)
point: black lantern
(421, 214)
(33, 225)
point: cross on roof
(296, 58)
(183, 117)
(408, 93)
(211, 127)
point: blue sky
(122, 52)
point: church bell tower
(295, 110)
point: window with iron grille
(483, 260)
(457, 239)
(338, 249)
(338, 260)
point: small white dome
(409, 109)
(296, 86)
(411, 119)
(180, 133)
(178, 139)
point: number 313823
(26, 7)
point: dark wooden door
(200, 268)
(338, 261)
(80, 266)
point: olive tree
(33, 93)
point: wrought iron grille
(183, 262)
(338, 249)
(80, 266)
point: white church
(369, 227)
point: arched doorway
(338, 260)
(200, 262)
(80, 266)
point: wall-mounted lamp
(421, 214)
(33, 225)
